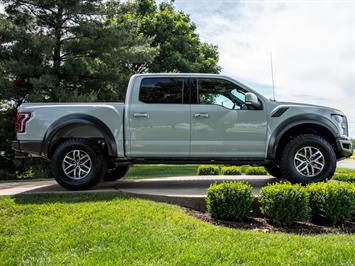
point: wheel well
(304, 129)
(77, 131)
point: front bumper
(344, 146)
(25, 149)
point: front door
(222, 126)
(159, 121)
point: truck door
(221, 123)
(158, 119)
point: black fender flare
(50, 138)
(294, 121)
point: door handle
(204, 115)
(143, 115)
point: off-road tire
(273, 169)
(98, 161)
(287, 165)
(116, 173)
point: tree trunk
(57, 51)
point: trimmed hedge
(256, 171)
(332, 202)
(230, 200)
(284, 203)
(230, 170)
(208, 170)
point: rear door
(159, 119)
(221, 124)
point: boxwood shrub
(230, 170)
(256, 171)
(230, 200)
(332, 202)
(243, 169)
(208, 170)
(284, 203)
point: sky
(312, 45)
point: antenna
(272, 77)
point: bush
(344, 177)
(208, 170)
(230, 170)
(332, 202)
(284, 203)
(244, 168)
(256, 171)
(230, 200)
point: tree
(180, 49)
(63, 46)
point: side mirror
(252, 100)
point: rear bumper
(344, 146)
(26, 148)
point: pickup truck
(178, 119)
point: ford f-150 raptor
(182, 118)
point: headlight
(340, 121)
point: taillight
(21, 120)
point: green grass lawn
(92, 229)
(160, 170)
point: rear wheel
(78, 164)
(273, 169)
(308, 158)
(116, 173)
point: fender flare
(50, 138)
(291, 122)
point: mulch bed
(263, 225)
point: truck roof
(181, 75)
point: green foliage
(230, 170)
(244, 168)
(344, 177)
(332, 202)
(208, 170)
(180, 49)
(230, 200)
(284, 203)
(256, 171)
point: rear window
(161, 90)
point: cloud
(312, 42)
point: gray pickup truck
(178, 119)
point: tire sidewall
(326, 150)
(95, 173)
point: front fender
(288, 124)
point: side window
(161, 90)
(220, 92)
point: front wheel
(308, 158)
(78, 164)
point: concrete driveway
(168, 186)
(350, 164)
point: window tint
(220, 92)
(161, 90)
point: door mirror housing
(252, 100)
